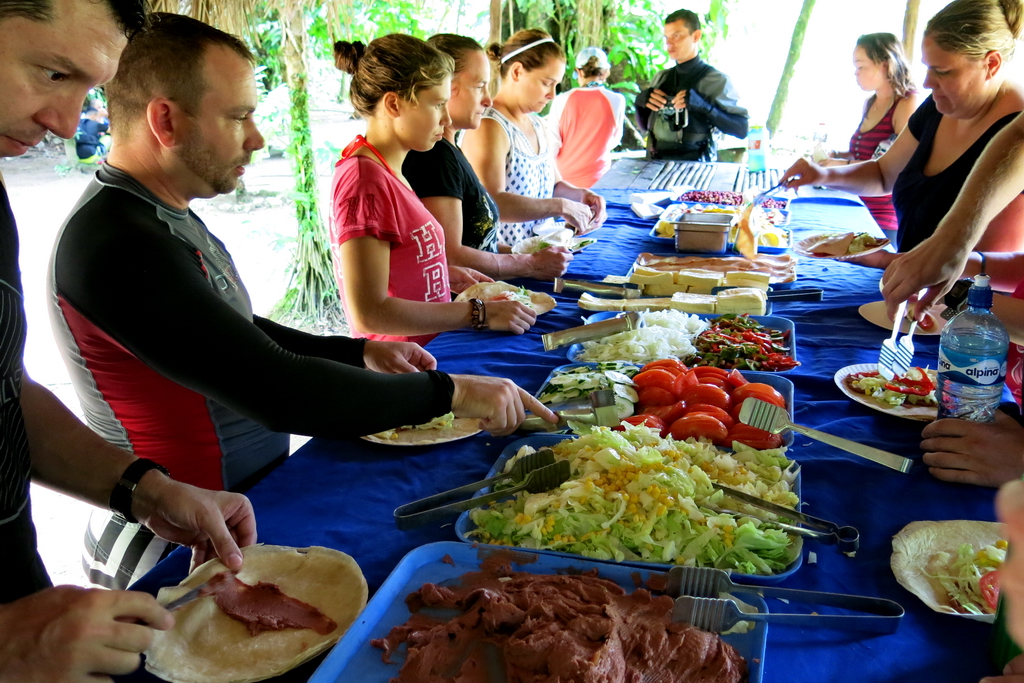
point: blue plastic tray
(770, 321)
(463, 525)
(354, 659)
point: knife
(199, 591)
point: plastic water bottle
(757, 149)
(972, 359)
(820, 152)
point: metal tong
(620, 323)
(845, 538)
(698, 604)
(602, 412)
(535, 472)
(601, 288)
(697, 591)
(771, 418)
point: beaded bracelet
(478, 316)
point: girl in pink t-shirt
(388, 250)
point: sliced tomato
(669, 413)
(736, 379)
(663, 379)
(988, 584)
(644, 419)
(753, 437)
(714, 411)
(655, 396)
(684, 381)
(673, 365)
(735, 412)
(705, 371)
(698, 426)
(706, 393)
(765, 392)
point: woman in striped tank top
(879, 66)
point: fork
(771, 418)
(887, 357)
(718, 615)
(905, 350)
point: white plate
(462, 428)
(917, 413)
(803, 248)
(876, 314)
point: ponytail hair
(976, 27)
(393, 63)
(534, 58)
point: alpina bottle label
(972, 370)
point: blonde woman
(966, 48)
(512, 152)
(389, 251)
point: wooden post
(795, 45)
(910, 28)
(495, 36)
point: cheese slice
(694, 303)
(589, 302)
(748, 279)
(650, 276)
(742, 300)
(663, 289)
(647, 304)
(706, 279)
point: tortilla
(836, 245)
(461, 428)
(492, 291)
(208, 646)
(914, 546)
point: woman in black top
(965, 47)
(450, 189)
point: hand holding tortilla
(951, 565)
(207, 645)
(503, 291)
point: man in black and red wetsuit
(157, 328)
(52, 52)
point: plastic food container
(703, 233)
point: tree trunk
(312, 296)
(910, 28)
(795, 45)
(589, 24)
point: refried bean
(264, 607)
(579, 628)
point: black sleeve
(643, 114)
(436, 173)
(147, 290)
(734, 124)
(918, 121)
(334, 347)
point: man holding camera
(688, 103)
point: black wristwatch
(956, 297)
(124, 489)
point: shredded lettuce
(635, 496)
(960, 575)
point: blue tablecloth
(341, 494)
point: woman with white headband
(512, 152)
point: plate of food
(876, 314)
(282, 609)
(840, 245)
(428, 588)
(780, 268)
(911, 396)
(952, 566)
(439, 430)
(503, 291)
(651, 532)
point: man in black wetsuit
(157, 328)
(688, 104)
(51, 53)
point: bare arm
(366, 263)
(906, 107)
(866, 178)
(70, 457)
(547, 263)
(486, 149)
(935, 264)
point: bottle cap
(980, 294)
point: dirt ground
(259, 234)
